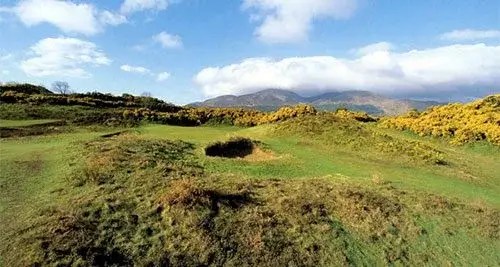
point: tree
(61, 87)
(146, 94)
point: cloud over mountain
(431, 71)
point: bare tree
(61, 87)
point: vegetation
(117, 187)
(140, 200)
(343, 130)
(37, 95)
(23, 88)
(217, 116)
(476, 121)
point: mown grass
(146, 199)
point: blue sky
(187, 50)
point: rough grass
(142, 199)
(345, 133)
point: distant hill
(272, 99)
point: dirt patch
(259, 154)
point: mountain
(267, 100)
(272, 99)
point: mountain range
(272, 99)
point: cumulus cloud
(413, 72)
(285, 21)
(470, 35)
(135, 69)
(68, 16)
(168, 40)
(131, 6)
(63, 57)
(163, 76)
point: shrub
(475, 121)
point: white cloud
(135, 69)
(167, 40)
(130, 6)
(112, 19)
(63, 57)
(470, 35)
(430, 70)
(70, 17)
(160, 77)
(285, 21)
(163, 76)
(371, 48)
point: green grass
(321, 199)
(303, 158)
(22, 123)
(33, 171)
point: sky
(189, 50)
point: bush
(475, 121)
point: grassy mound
(349, 134)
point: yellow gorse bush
(233, 116)
(475, 121)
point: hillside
(272, 99)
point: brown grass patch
(259, 154)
